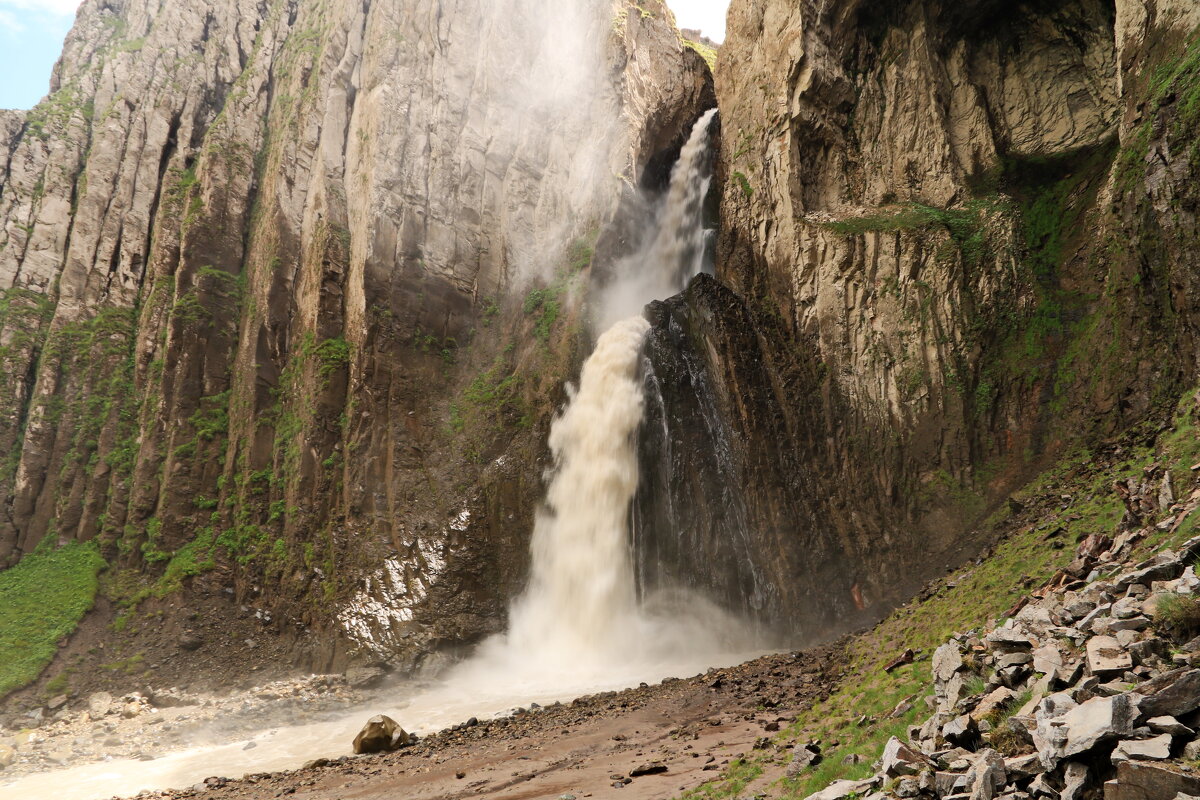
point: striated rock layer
(262, 292)
(962, 236)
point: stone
(986, 775)
(1138, 780)
(947, 660)
(190, 641)
(1075, 777)
(131, 710)
(381, 734)
(994, 701)
(947, 783)
(1169, 725)
(960, 731)
(364, 677)
(1126, 607)
(1046, 659)
(1083, 727)
(1156, 749)
(908, 787)
(1008, 640)
(1105, 656)
(803, 757)
(55, 703)
(8, 755)
(1024, 767)
(99, 704)
(838, 790)
(900, 759)
(1172, 695)
(649, 768)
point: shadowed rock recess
(291, 290)
(960, 238)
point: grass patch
(737, 777)
(1178, 616)
(42, 599)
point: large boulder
(900, 759)
(381, 734)
(1141, 781)
(1105, 656)
(1155, 749)
(1173, 694)
(1079, 729)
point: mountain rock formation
(290, 291)
(958, 238)
(261, 267)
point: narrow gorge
(498, 354)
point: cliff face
(263, 272)
(963, 236)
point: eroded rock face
(245, 253)
(959, 233)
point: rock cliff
(962, 239)
(289, 292)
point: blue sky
(31, 38)
(707, 15)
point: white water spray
(579, 627)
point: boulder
(946, 661)
(364, 677)
(1169, 725)
(993, 701)
(1105, 656)
(99, 704)
(1075, 777)
(838, 790)
(1024, 767)
(948, 783)
(651, 768)
(1046, 659)
(1172, 694)
(381, 734)
(899, 759)
(1156, 749)
(1082, 728)
(803, 757)
(1138, 780)
(987, 775)
(960, 731)
(7, 756)
(1008, 640)
(55, 703)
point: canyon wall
(289, 289)
(960, 239)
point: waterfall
(581, 609)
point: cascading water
(580, 626)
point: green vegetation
(744, 184)
(42, 599)
(1178, 616)
(707, 53)
(740, 773)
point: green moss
(42, 599)
(707, 53)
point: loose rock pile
(1090, 689)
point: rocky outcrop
(263, 322)
(1081, 690)
(962, 237)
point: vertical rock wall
(255, 257)
(963, 236)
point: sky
(32, 32)
(707, 15)
(31, 38)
